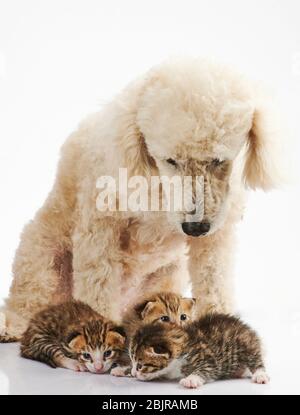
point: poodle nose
(195, 228)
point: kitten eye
(172, 161)
(165, 319)
(183, 317)
(86, 356)
(139, 366)
(217, 162)
(107, 353)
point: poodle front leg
(210, 266)
(42, 274)
(97, 268)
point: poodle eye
(217, 162)
(86, 356)
(165, 319)
(172, 161)
(107, 353)
(183, 317)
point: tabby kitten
(165, 307)
(217, 346)
(74, 336)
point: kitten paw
(121, 371)
(73, 364)
(82, 368)
(260, 377)
(192, 382)
(242, 374)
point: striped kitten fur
(74, 336)
(164, 308)
(217, 346)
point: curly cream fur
(191, 109)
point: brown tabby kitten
(217, 346)
(165, 307)
(74, 336)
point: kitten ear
(120, 330)
(158, 350)
(116, 337)
(76, 340)
(144, 308)
(72, 334)
(189, 303)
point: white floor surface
(280, 332)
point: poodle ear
(263, 152)
(136, 155)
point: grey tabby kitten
(217, 346)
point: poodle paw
(260, 377)
(9, 334)
(2, 324)
(192, 382)
(121, 371)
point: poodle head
(198, 119)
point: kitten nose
(98, 366)
(195, 228)
(133, 372)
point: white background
(61, 59)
